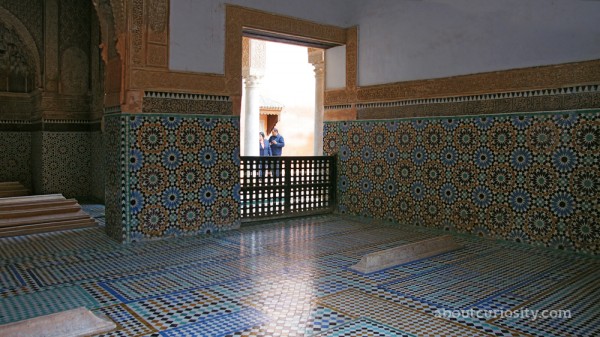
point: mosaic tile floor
(291, 278)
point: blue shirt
(276, 148)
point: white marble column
(252, 115)
(317, 58)
(253, 69)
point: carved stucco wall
(74, 46)
(20, 52)
(30, 13)
(17, 63)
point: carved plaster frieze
(158, 79)
(574, 101)
(65, 104)
(509, 80)
(555, 76)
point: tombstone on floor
(71, 323)
(410, 252)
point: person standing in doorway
(264, 150)
(276, 142)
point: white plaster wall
(335, 67)
(410, 40)
(197, 35)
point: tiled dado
(50, 156)
(65, 163)
(531, 178)
(97, 166)
(15, 157)
(179, 175)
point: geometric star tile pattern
(531, 178)
(292, 278)
(179, 175)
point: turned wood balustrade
(286, 186)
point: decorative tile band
(65, 121)
(52, 125)
(112, 110)
(338, 107)
(471, 98)
(8, 125)
(524, 177)
(15, 121)
(186, 96)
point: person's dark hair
(275, 129)
(262, 134)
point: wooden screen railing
(286, 186)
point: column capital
(252, 81)
(254, 57)
(316, 56)
(319, 69)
